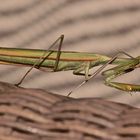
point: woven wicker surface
(29, 114)
(104, 26)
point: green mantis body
(79, 62)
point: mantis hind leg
(61, 38)
(117, 71)
(39, 62)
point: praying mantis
(79, 62)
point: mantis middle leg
(101, 68)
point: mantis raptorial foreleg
(107, 76)
(119, 70)
(38, 63)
